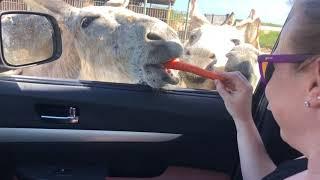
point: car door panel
(119, 125)
(104, 108)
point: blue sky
(274, 11)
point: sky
(271, 11)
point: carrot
(178, 65)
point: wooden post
(169, 12)
(212, 16)
(145, 7)
(88, 3)
(187, 20)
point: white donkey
(209, 47)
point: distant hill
(271, 24)
(265, 24)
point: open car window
(123, 43)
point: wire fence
(216, 19)
(7, 5)
(176, 19)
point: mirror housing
(28, 39)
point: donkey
(111, 44)
(208, 46)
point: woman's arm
(254, 160)
(236, 92)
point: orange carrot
(178, 65)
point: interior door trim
(68, 135)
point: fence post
(212, 16)
(169, 12)
(145, 7)
(187, 20)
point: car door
(129, 130)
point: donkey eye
(86, 21)
(192, 38)
(236, 41)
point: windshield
(129, 42)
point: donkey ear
(253, 21)
(252, 14)
(230, 20)
(57, 8)
(197, 19)
(118, 3)
(251, 29)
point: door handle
(72, 118)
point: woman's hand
(236, 91)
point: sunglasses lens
(264, 67)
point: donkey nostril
(153, 36)
(213, 56)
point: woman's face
(285, 96)
(286, 92)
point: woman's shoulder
(289, 169)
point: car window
(129, 41)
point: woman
(293, 92)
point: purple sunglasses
(264, 60)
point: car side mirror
(28, 38)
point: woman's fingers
(244, 79)
(234, 81)
(221, 89)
